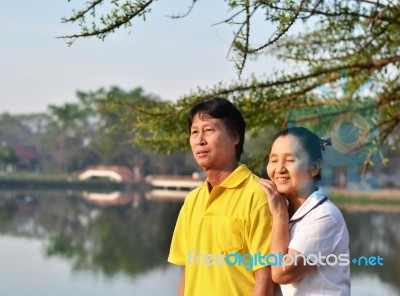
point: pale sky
(166, 57)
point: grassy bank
(385, 200)
(342, 199)
(62, 181)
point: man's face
(212, 145)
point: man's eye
(208, 130)
(194, 132)
(290, 160)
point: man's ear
(316, 167)
(237, 139)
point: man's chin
(205, 165)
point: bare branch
(283, 32)
(118, 23)
(384, 134)
(350, 68)
(186, 13)
(81, 14)
(246, 38)
(231, 18)
(349, 54)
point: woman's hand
(276, 200)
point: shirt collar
(240, 174)
(310, 202)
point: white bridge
(112, 173)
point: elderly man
(224, 227)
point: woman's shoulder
(329, 208)
(327, 213)
(326, 223)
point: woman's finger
(271, 184)
(266, 187)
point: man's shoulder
(252, 183)
(255, 196)
(196, 191)
(194, 194)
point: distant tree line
(92, 131)
(101, 128)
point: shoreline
(384, 193)
(382, 200)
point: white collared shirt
(320, 233)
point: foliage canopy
(351, 44)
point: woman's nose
(280, 167)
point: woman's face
(289, 167)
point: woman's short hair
(221, 108)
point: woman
(309, 234)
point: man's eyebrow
(207, 124)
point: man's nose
(201, 139)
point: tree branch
(246, 38)
(186, 13)
(108, 29)
(283, 32)
(81, 14)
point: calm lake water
(69, 243)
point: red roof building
(28, 156)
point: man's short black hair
(221, 108)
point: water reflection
(24, 271)
(127, 235)
(373, 234)
(116, 198)
(131, 236)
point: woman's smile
(282, 180)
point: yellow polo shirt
(218, 231)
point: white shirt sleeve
(317, 234)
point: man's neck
(216, 177)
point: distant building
(28, 157)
